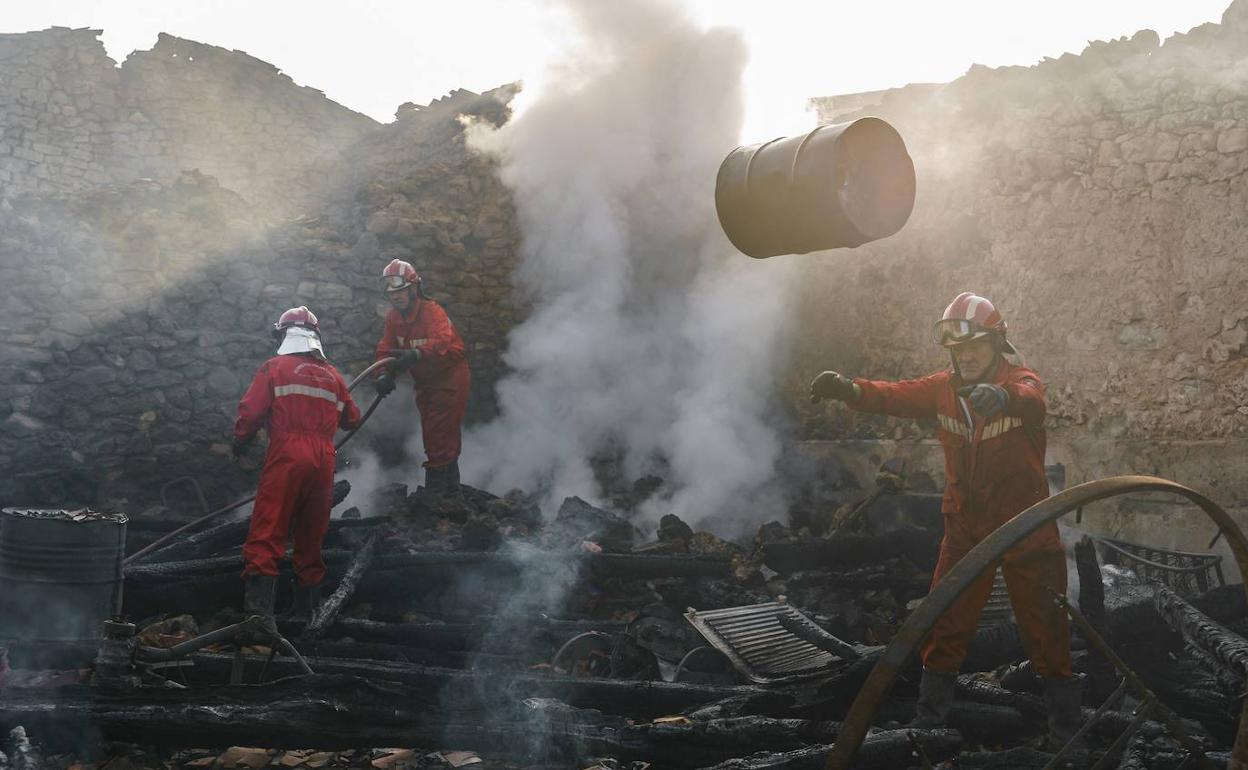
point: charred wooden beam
(889, 749)
(980, 721)
(639, 699)
(327, 613)
(1201, 631)
(341, 712)
(636, 566)
(481, 635)
(920, 546)
(205, 542)
(586, 733)
(159, 588)
(1091, 583)
(607, 565)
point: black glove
(406, 360)
(239, 447)
(385, 384)
(834, 386)
(988, 400)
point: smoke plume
(650, 340)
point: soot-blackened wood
(483, 690)
(1017, 758)
(316, 712)
(980, 721)
(437, 563)
(976, 690)
(420, 656)
(1103, 678)
(1091, 583)
(1199, 630)
(327, 613)
(920, 546)
(341, 712)
(630, 566)
(206, 542)
(890, 749)
(993, 647)
(505, 636)
(695, 745)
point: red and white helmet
(298, 316)
(398, 275)
(299, 332)
(970, 317)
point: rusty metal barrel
(60, 572)
(837, 186)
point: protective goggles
(395, 282)
(955, 331)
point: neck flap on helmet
(301, 340)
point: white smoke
(650, 338)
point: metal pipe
(253, 623)
(1086, 727)
(1168, 717)
(183, 649)
(1120, 743)
(984, 555)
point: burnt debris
(579, 642)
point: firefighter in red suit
(422, 338)
(990, 421)
(304, 401)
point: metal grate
(1185, 572)
(997, 610)
(758, 646)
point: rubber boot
(259, 596)
(453, 489)
(935, 699)
(435, 481)
(1064, 700)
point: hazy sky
(382, 53)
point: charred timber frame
(880, 682)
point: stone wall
(72, 119)
(135, 314)
(1099, 200)
(59, 111)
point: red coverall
(304, 401)
(440, 376)
(994, 469)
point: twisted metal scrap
(981, 557)
(1201, 631)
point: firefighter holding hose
(990, 418)
(303, 400)
(420, 336)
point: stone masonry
(72, 119)
(1099, 200)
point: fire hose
(904, 644)
(161, 541)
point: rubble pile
(472, 630)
